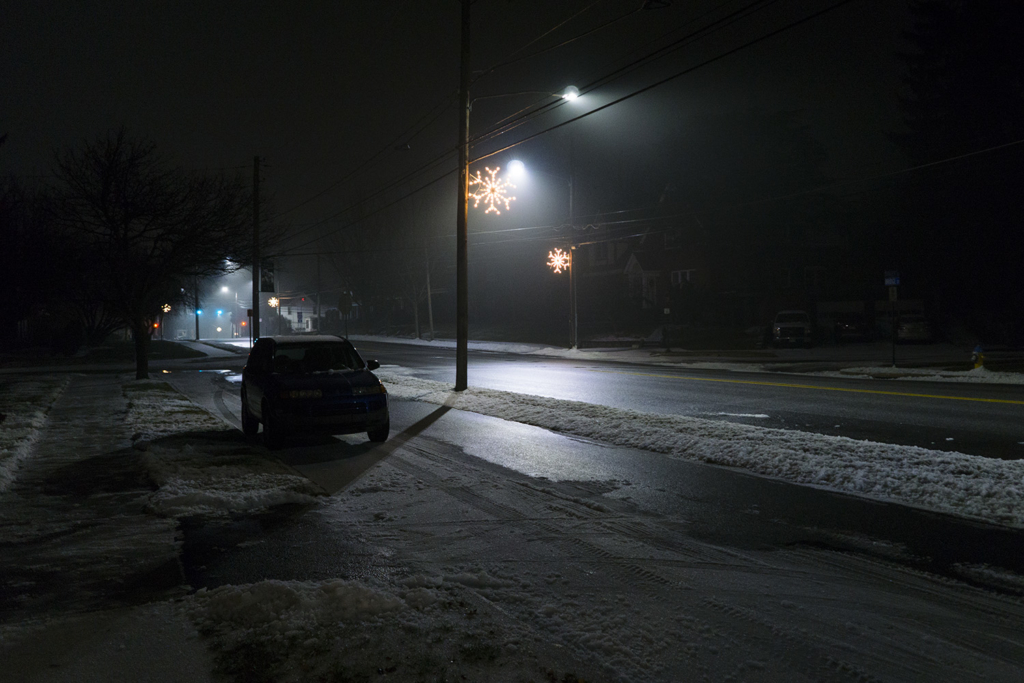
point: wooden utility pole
(462, 215)
(255, 248)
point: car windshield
(791, 318)
(295, 359)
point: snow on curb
(205, 475)
(975, 376)
(953, 483)
(25, 404)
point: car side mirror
(372, 365)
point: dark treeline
(117, 233)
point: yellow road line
(813, 386)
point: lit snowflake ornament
(559, 260)
(491, 191)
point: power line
(720, 24)
(668, 79)
(440, 158)
(647, 88)
(403, 136)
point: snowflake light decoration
(491, 191)
(559, 260)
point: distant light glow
(155, 325)
(273, 302)
(492, 191)
(199, 311)
(571, 93)
(559, 260)
(220, 312)
(166, 308)
(219, 329)
(224, 289)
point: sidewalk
(88, 573)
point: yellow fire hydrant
(978, 357)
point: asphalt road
(716, 505)
(978, 419)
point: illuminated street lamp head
(559, 260)
(166, 308)
(224, 288)
(516, 168)
(273, 302)
(571, 93)
(491, 191)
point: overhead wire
(501, 128)
(619, 100)
(404, 135)
(425, 167)
(668, 79)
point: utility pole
(195, 283)
(318, 293)
(255, 248)
(430, 302)
(573, 328)
(462, 215)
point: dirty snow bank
(416, 628)
(953, 483)
(975, 376)
(25, 403)
(208, 468)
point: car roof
(304, 338)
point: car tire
(272, 436)
(380, 434)
(250, 425)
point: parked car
(314, 384)
(851, 327)
(913, 327)
(792, 327)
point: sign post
(248, 312)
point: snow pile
(975, 376)
(217, 479)
(953, 483)
(349, 630)
(156, 409)
(25, 404)
(208, 468)
(282, 609)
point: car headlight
(301, 393)
(363, 391)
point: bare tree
(148, 227)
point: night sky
(319, 88)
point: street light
(462, 209)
